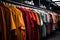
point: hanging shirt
(37, 19)
(41, 19)
(48, 18)
(53, 26)
(45, 18)
(27, 22)
(20, 24)
(56, 21)
(43, 27)
(13, 21)
(55, 18)
(51, 20)
(3, 21)
(13, 26)
(17, 18)
(34, 24)
(0, 20)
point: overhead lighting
(58, 3)
(55, 0)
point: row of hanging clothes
(24, 23)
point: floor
(55, 36)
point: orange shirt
(37, 19)
(16, 17)
(16, 20)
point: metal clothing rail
(23, 4)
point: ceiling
(57, 2)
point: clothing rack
(22, 4)
(25, 5)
